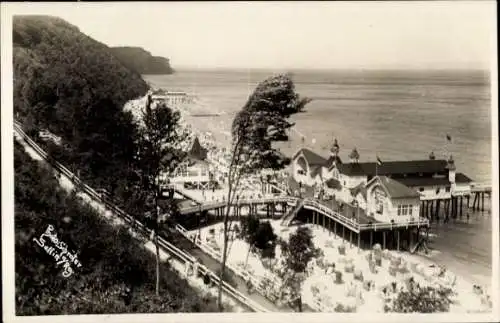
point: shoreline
(216, 126)
(326, 241)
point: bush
(423, 300)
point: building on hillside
(433, 179)
(390, 201)
(194, 171)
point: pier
(350, 223)
(456, 206)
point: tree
(158, 152)
(261, 122)
(259, 235)
(297, 253)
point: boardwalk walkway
(185, 244)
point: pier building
(194, 171)
(434, 181)
(170, 97)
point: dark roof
(315, 170)
(159, 92)
(197, 151)
(423, 181)
(394, 188)
(294, 186)
(333, 184)
(331, 160)
(462, 178)
(360, 188)
(393, 167)
(311, 157)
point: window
(399, 209)
(410, 209)
(405, 210)
(344, 183)
(448, 189)
(421, 189)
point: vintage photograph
(237, 157)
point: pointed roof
(312, 158)
(332, 160)
(462, 178)
(197, 151)
(315, 170)
(360, 188)
(394, 188)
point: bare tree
(262, 122)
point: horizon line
(357, 69)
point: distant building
(432, 179)
(170, 97)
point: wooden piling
(397, 240)
(371, 239)
(359, 241)
(482, 201)
(461, 201)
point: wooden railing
(220, 204)
(138, 226)
(256, 280)
(316, 206)
(481, 187)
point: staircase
(421, 244)
(288, 218)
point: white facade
(301, 170)
(434, 192)
(197, 173)
(384, 208)
(461, 189)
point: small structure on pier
(170, 97)
(194, 171)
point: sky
(322, 35)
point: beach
(464, 248)
(378, 112)
(321, 292)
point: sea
(395, 115)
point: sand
(331, 293)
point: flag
(448, 137)
(379, 162)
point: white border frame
(8, 287)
